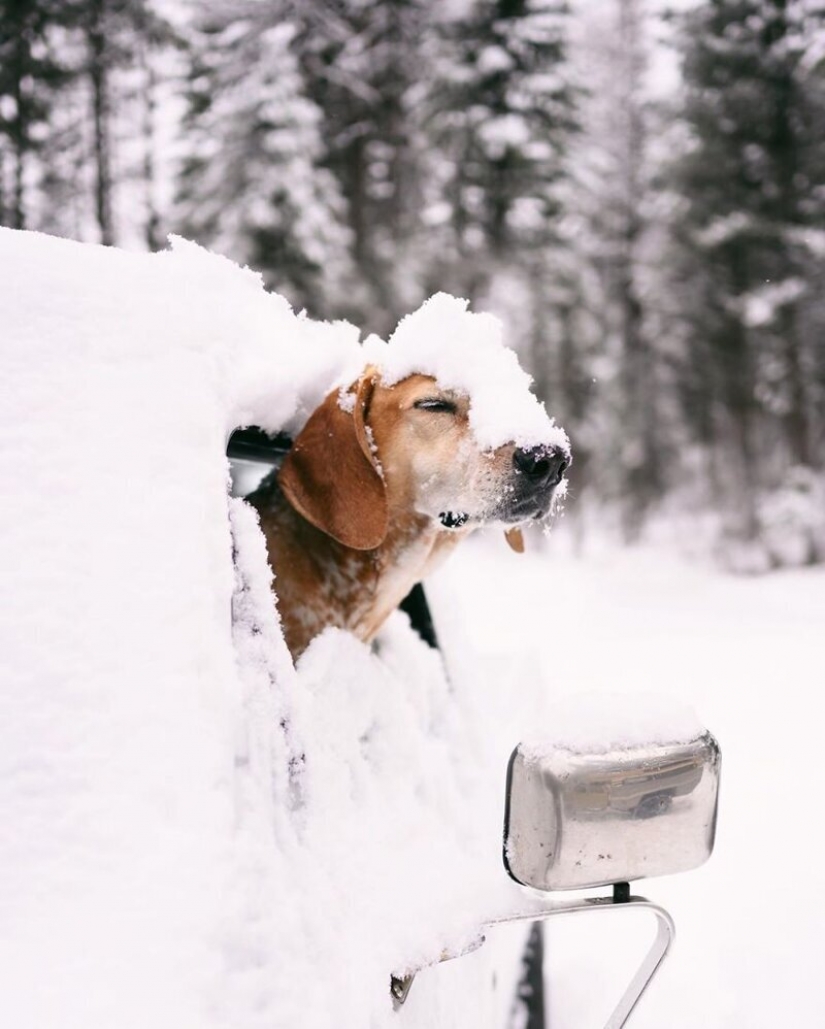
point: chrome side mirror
(576, 820)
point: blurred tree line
(659, 256)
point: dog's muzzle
(541, 466)
(537, 471)
(528, 493)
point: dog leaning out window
(379, 486)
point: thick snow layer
(465, 352)
(598, 722)
(177, 307)
(192, 833)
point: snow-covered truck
(194, 832)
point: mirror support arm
(665, 932)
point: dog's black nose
(541, 464)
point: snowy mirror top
(596, 722)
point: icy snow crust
(193, 834)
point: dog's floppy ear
(515, 540)
(331, 476)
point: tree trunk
(797, 427)
(20, 136)
(641, 467)
(18, 212)
(786, 156)
(152, 227)
(99, 75)
(740, 404)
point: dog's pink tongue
(515, 539)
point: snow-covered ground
(193, 834)
(749, 655)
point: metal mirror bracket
(665, 931)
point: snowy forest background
(639, 191)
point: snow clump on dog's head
(465, 351)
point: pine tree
(251, 185)
(31, 72)
(501, 114)
(753, 189)
(364, 65)
(612, 202)
(73, 134)
(120, 38)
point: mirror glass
(575, 820)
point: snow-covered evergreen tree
(500, 114)
(611, 213)
(73, 149)
(31, 73)
(365, 66)
(251, 184)
(120, 38)
(752, 183)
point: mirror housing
(576, 820)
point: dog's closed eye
(438, 404)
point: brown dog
(378, 488)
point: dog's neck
(322, 583)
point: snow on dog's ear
(331, 475)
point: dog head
(374, 452)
